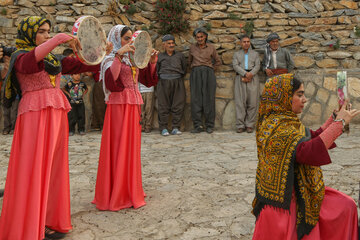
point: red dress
(338, 214)
(119, 180)
(37, 191)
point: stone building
(320, 34)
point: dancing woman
(119, 181)
(37, 190)
(292, 201)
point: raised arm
(148, 76)
(315, 151)
(71, 65)
(45, 48)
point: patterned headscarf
(279, 131)
(25, 42)
(115, 38)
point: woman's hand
(109, 47)
(154, 56)
(347, 115)
(126, 48)
(74, 43)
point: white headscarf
(115, 38)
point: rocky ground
(198, 186)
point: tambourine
(143, 49)
(92, 38)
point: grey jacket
(283, 59)
(253, 63)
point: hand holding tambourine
(89, 45)
(154, 56)
(109, 47)
(74, 43)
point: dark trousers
(77, 116)
(98, 106)
(202, 89)
(10, 115)
(171, 99)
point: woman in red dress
(119, 181)
(37, 190)
(292, 201)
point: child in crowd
(75, 90)
(147, 109)
(68, 52)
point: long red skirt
(338, 220)
(119, 183)
(37, 191)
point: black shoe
(197, 130)
(249, 130)
(52, 234)
(240, 130)
(1, 192)
(209, 130)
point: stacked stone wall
(319, 34)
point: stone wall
(309, 29)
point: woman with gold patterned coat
(291, 200)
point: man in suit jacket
(246, 63)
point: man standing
(171, 68)
(203, 59)
(98, 104)
(277, 60)
(147, 109)
(246, 63)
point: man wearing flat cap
(203, 60)
(171, 68)
(277, 60)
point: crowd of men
(203, 61)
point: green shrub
(249, 27)
(233, 16)
(170, 16)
